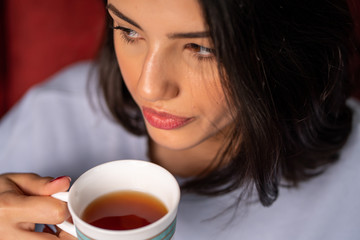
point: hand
(59, 232)
(65, 236)
(25, 200)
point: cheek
(211, 102)
(129, 68)
(221, 107)
(209, 92)
(219, 110)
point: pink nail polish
(61, 177)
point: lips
(163, 120)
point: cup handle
(66, 226)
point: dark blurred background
(39, 37)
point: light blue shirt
(58, 129)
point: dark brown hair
(284, 69)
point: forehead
(179, 14)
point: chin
(174, 139)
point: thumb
(33, 184)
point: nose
(157, 80)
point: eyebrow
(122, 16)
(170, 35)
(189, 35)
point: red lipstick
(163, 120)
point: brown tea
(124, 210)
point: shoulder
(354, 104)
(61, 93)
(349, 157)
(69, 82)
(71, 78)
(353, 144)
(60, 119)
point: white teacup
(121, 175)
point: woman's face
(167, 62)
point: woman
(235, 98)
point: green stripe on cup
(167, 233)
(81, 236)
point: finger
(27, 226)
(47, 229)
(33, 184)
(34, 209)
(16, 234)
(64, 235)
(36, 236)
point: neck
(185, 163)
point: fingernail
(61, 177)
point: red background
(39, 37)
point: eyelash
(125, 34)
(194, 47)
(191, 46)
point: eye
(127, 34)
(201, 52)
